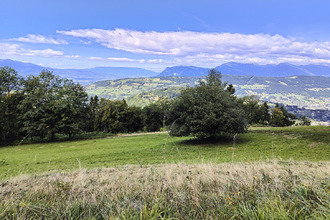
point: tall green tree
(152, 116)
(38, 105)
(118, 117)
(265, 113)
(94, 114)
(207, 110)
(155, 115)
(52, 105)
(10, 97)
(72, 108)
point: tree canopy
(52, 105)
(45, 105)
(208, 110)
(10, 83)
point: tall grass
(262, 190)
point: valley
(303, 92)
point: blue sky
(154, 34)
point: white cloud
(128, 60)
(15, 49)
(39, 39)
(73, 56)
(86, 42)
(187, 43)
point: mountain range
(88, 76)
(269, 70)
(83, 76)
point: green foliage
(118, 117)
(73, 108)
(207, 110)
(255, 112)
(152, 117)
(155, 115)
(10, 96)
(94, 114)
(304, 121)
(9, 81)
(303, 91)
(125, 88)
(146, 98)
(52, 105)
(40, 106)
(280, 117)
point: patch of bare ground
(142, 133)
(315, 144)
(137, 134)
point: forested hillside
(310, 92)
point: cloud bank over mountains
(187, 47)
(152, 48)
(188, 43)
(15, 49)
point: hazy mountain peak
(184, 71)
(83, 76)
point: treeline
(45, 105)
(40, 106)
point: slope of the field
(270, 173)
(298, 143)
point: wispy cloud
(15, 49)
(207, 60)
(187, 43)
(128, 60)
(40, 39)
(73, 56)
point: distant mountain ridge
(184, 71)
(88, 76)
(232, 68)
(83, 76)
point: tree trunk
(52, 138)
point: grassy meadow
(278, 173)
(297, 143)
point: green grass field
(278, 173)
(297, 143)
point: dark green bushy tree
(38, 105)
(280, 117)
(265, 114)
(10, 97)
(72, 107)
(94, 115)
(255, 112)
(152, 117)
(155, 115)
(52, 105)
(207, 110)
(118, 117)
(303, 120)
